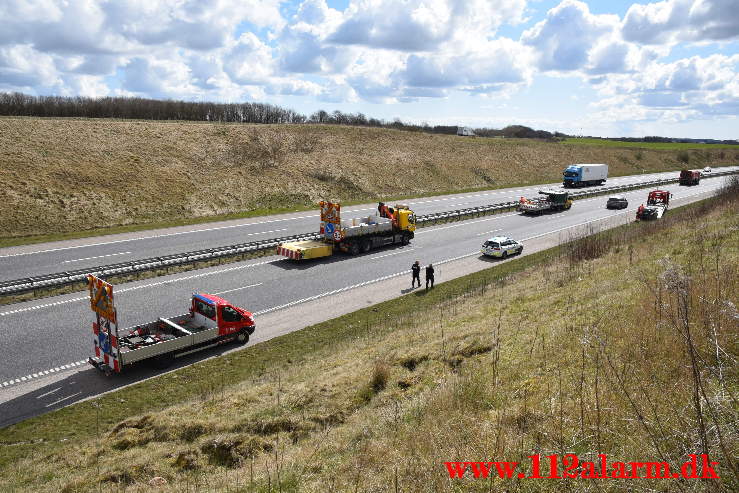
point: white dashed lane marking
(99, 256)
(40, 374)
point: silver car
(501, 246)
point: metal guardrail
(70, 277)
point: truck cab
(208, 310)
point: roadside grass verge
(580, 348)
(648, 145)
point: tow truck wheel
(242, 338)
(405, 240)
(353, 248)
(366, 246)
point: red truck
(211, 321)
(690, 177)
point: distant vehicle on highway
(706, 171)
(501, 246)
(583, 175)
(617, 202)
(690, 177)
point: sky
(603, 68)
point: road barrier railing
(61, 279)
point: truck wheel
(405, 239)
(353, 248)
(366, 246)
(242, 338)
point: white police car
(501, 246)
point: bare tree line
(19, 104)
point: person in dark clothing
(429, 276)
(416, 270)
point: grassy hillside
(71, 175)
(727, 148)
(623, 343)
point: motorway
(45, 338)
(39, 259)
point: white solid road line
(154, 236)
(99, 256)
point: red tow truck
(657, 203)
(211, 321)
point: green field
(647, 145)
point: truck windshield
(571, 174)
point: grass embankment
(66, 178)
(622, 343)
(654, 145)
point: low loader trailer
(553, 200)
(360, 235)
(211, 321)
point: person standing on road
(429, 276)
(416, 270)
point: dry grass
(60, 176)
(630, 353)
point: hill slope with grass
(69, 175)
(623, 343)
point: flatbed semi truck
(550, 200)
(211, 321)
(389, 227)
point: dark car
(617, 202)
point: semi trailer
(389, 226)
(581, 175)
(210, 321)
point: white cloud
(564, 39)
(671, 21)
(419, 25)
(249, 61)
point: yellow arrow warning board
(101, 298)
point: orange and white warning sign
(101, 298)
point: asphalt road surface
(44, 344)
(47, 258)
(39, 335)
